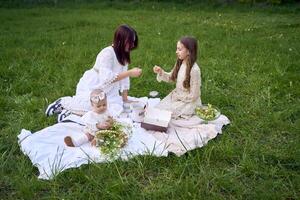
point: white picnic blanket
(47, 151)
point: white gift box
(156, 119)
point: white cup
(138, 112)
(127, 107)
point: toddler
(96, 119)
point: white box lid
(157, 117)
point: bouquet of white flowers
(112, 140)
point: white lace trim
(108, 83)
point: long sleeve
(165, 76)
(125, 83)
(91, 119)
(91, 127)
(195, 84)
(90, 123)
(104, 67)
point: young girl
(97, 118)
(183, 100)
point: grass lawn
(250, 61)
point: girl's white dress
(91, 119)
(181, 101)
(100, 76)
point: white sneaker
(54, 108)
(61, 116)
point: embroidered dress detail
(109, 79)
(165, 76)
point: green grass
(250, 61)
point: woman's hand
(157, 70)
(135, 72)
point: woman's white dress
(101, 76)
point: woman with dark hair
(110, 73)
(183, 100)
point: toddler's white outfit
(90, 120)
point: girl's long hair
(124, 35)
(191, 44)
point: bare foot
(69, 142)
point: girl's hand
(110, 121)
(135, 72)
(93, 142)
(157, 69)
(103, 126)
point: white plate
(153, 94)
(205, 106)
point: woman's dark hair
(124, 35)
(191, 44)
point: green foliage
(207, 112)
(58, 3)
(261, 1)
(110, 142)
(249, 59)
